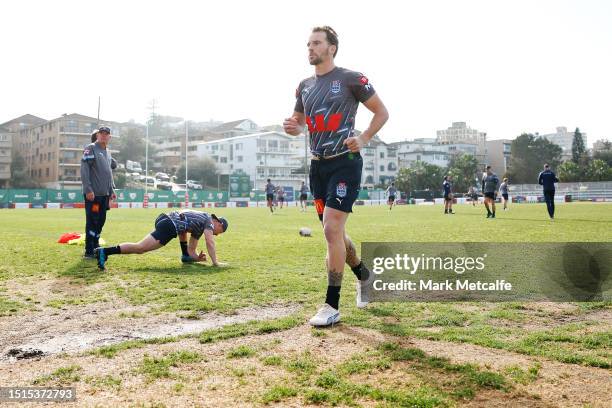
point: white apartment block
(273, 155)
(564, 139)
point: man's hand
(292, 126)
(113, 197)
(201, 257)
(354, 143)
(194, 258)
(90, 196)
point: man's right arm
(295, 124)
(86, 163)
(540, 181)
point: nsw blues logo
(335, 87)
(341, 189)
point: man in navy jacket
(547, 180)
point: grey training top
(489, 183)
(194, 222)
(304, 189)
(503, 188)
(96, 173)
(330, 103)
(270, 188)
(391, 191)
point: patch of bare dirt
(220, 381)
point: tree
(528, 155)
(463, 168)
(120, 179)
(203, 171)
(599, 170)
(20, 176)
(421, 176)
(131, 146)
(569, 172)
(578, 149)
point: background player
(448, 195)
(489, 189)
(391, 191)
(503, 190)
(270, 195)
(547, 180)
(280, 196)
(303, 196)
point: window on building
(391, 167)
(284, 145)
(382, 168)
(239, 159)
(47, 172)
(223, 160)
(382, 155)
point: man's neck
(324, 68)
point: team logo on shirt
(365, 82)
(341, 189)
(335, 86)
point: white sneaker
(361, 303)
(325, 316)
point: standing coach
(98, 187)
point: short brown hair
(330, 35)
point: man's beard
(316, 61)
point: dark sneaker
(101, 257)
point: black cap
(222, 220)
(104, 129)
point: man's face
(104, 137)
(319, 50)
(217, 228)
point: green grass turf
(270, 263)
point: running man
(503, 190)
(448, 195)
(303, 196)
(270, 195)
(328, 102)
(489, 189)
(169, 226)
(473, 195)
(391, 191)
(280, 196)
(547, 180)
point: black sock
(333, 296)
(361, 272)
(112, 250)
(184, 248)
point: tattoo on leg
(334, 278)
(352, 259)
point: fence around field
(47, 198)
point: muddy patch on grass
(222, 377)
(77, 328)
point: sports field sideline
(151, 331)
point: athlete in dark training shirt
(327, 102)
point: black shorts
(335, 182)
(281, 199)
(490, 195)
(165, 231)
(474, 196)
(447, 197)
(505, 196)
(391, 198)
(269, 197)
(303, 197)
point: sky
(504, 67)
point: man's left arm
(381, 115)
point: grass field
(403, 354)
